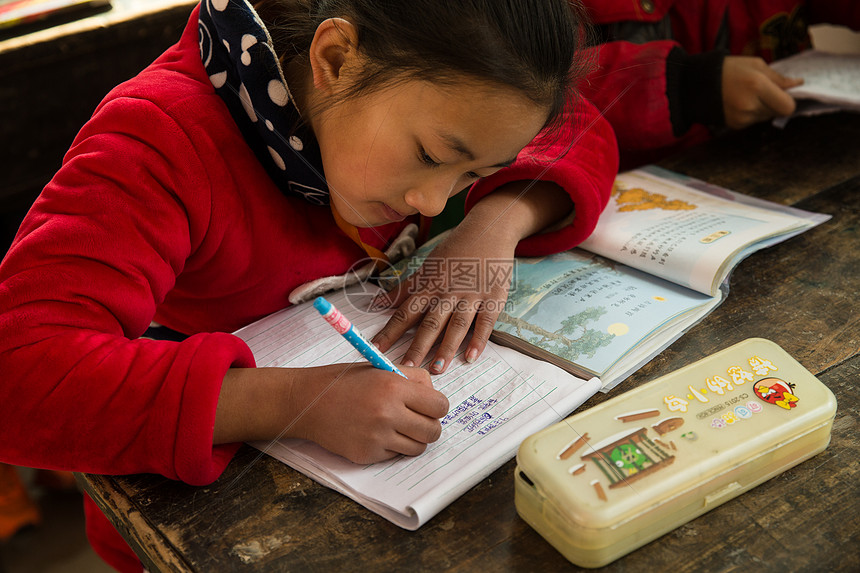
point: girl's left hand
(465, 280)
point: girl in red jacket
(274, 146)
(672, 72)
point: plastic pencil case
(608, 480)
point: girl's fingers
(788, 83)
(421, 429)
(405, 445)
(774, 96)
(458, 326)
(428, 332)
(421, 377)
(484, 323)
(425, 401)
(782, 81)
(405, 316)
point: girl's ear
(333, 51)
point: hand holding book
(831, 82)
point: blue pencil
(342, 324)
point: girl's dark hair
(529, 45)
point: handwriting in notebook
(494, 404)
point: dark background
(48, 90)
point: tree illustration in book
(568, 332)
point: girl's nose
(430, 198)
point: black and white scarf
(239, 57)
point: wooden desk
(802, 294)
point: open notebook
(495, 403)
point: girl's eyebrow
(457, 144)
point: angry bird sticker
(628, 458)
(777, 392)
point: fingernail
(438, 365)
(408, 363)
(471, 355)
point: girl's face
(408, 148)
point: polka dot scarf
(238, 55)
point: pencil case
(606, 481)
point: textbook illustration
(657, 263)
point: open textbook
(656, 264)
(495, 403)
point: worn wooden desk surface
(802, 294)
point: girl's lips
(392, 214)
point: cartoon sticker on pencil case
(718, 400)
(774, 391)
(627, 457)
(667, 425)
(638, 415)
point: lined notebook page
(829, 78)
(495, 403)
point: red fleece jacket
(162, 212)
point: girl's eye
(426, 159)
(473, 175)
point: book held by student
(832, 81)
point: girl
(246, 161)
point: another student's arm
(628, 85)
(657, 95)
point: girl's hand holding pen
(364, 411)
(369, 415)
(355, 410)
